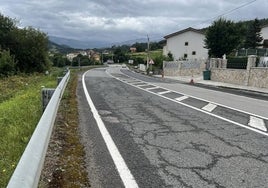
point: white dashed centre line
(257, 123)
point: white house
(186, 44)
(264, 34)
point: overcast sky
(114, 21)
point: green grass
(20, 111)
(153, 54)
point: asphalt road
(170, 134)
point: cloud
(117, 20)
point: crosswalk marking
(257, 123)
(155, 87)
(163, 92)
(142, 85)
(181, 98)
(209, 107)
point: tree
(120, 56)
(59, 60)
(31, 50)
(141, 47)
(222, 37)
(6, 26)
(7, 63)
(28, 46)
(253, 35)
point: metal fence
(28, 170)
(257, 51)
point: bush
(138, 60)
(237, 63)
(7, 64)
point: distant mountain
(57, 48)
(77, 44)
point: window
(186, 43)
(185, 56)
(193, 52)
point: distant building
(70, 56)
(83, 53)
(186, 44)
(132, 49)
(95, 56)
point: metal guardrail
(28, 170)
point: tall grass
(20, 111)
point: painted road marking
(181, 98)
(150, 88)
(163, 92)
(209, 107)
(140, 83)
(133, 81)
(206, 112)
(124, 172)
(258, 123)
(143, 85)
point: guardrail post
(59, 80)
(46, 96)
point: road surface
(144, 132)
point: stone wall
(258, 77)
(232, 76)
(252, 76)
(183, 68)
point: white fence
(28, 170)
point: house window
(186, 43)
(193, 52)
(185, 56)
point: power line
(227, 12)
(223, 14)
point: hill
(57, 48)
(77, 44)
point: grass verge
(20, 111)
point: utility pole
(79, 63)
(148, 48)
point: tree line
(225, 36)
(22, 50)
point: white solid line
(181, 98)
(209, 107)
(258, 123)
(124, 172)
(163, 92)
